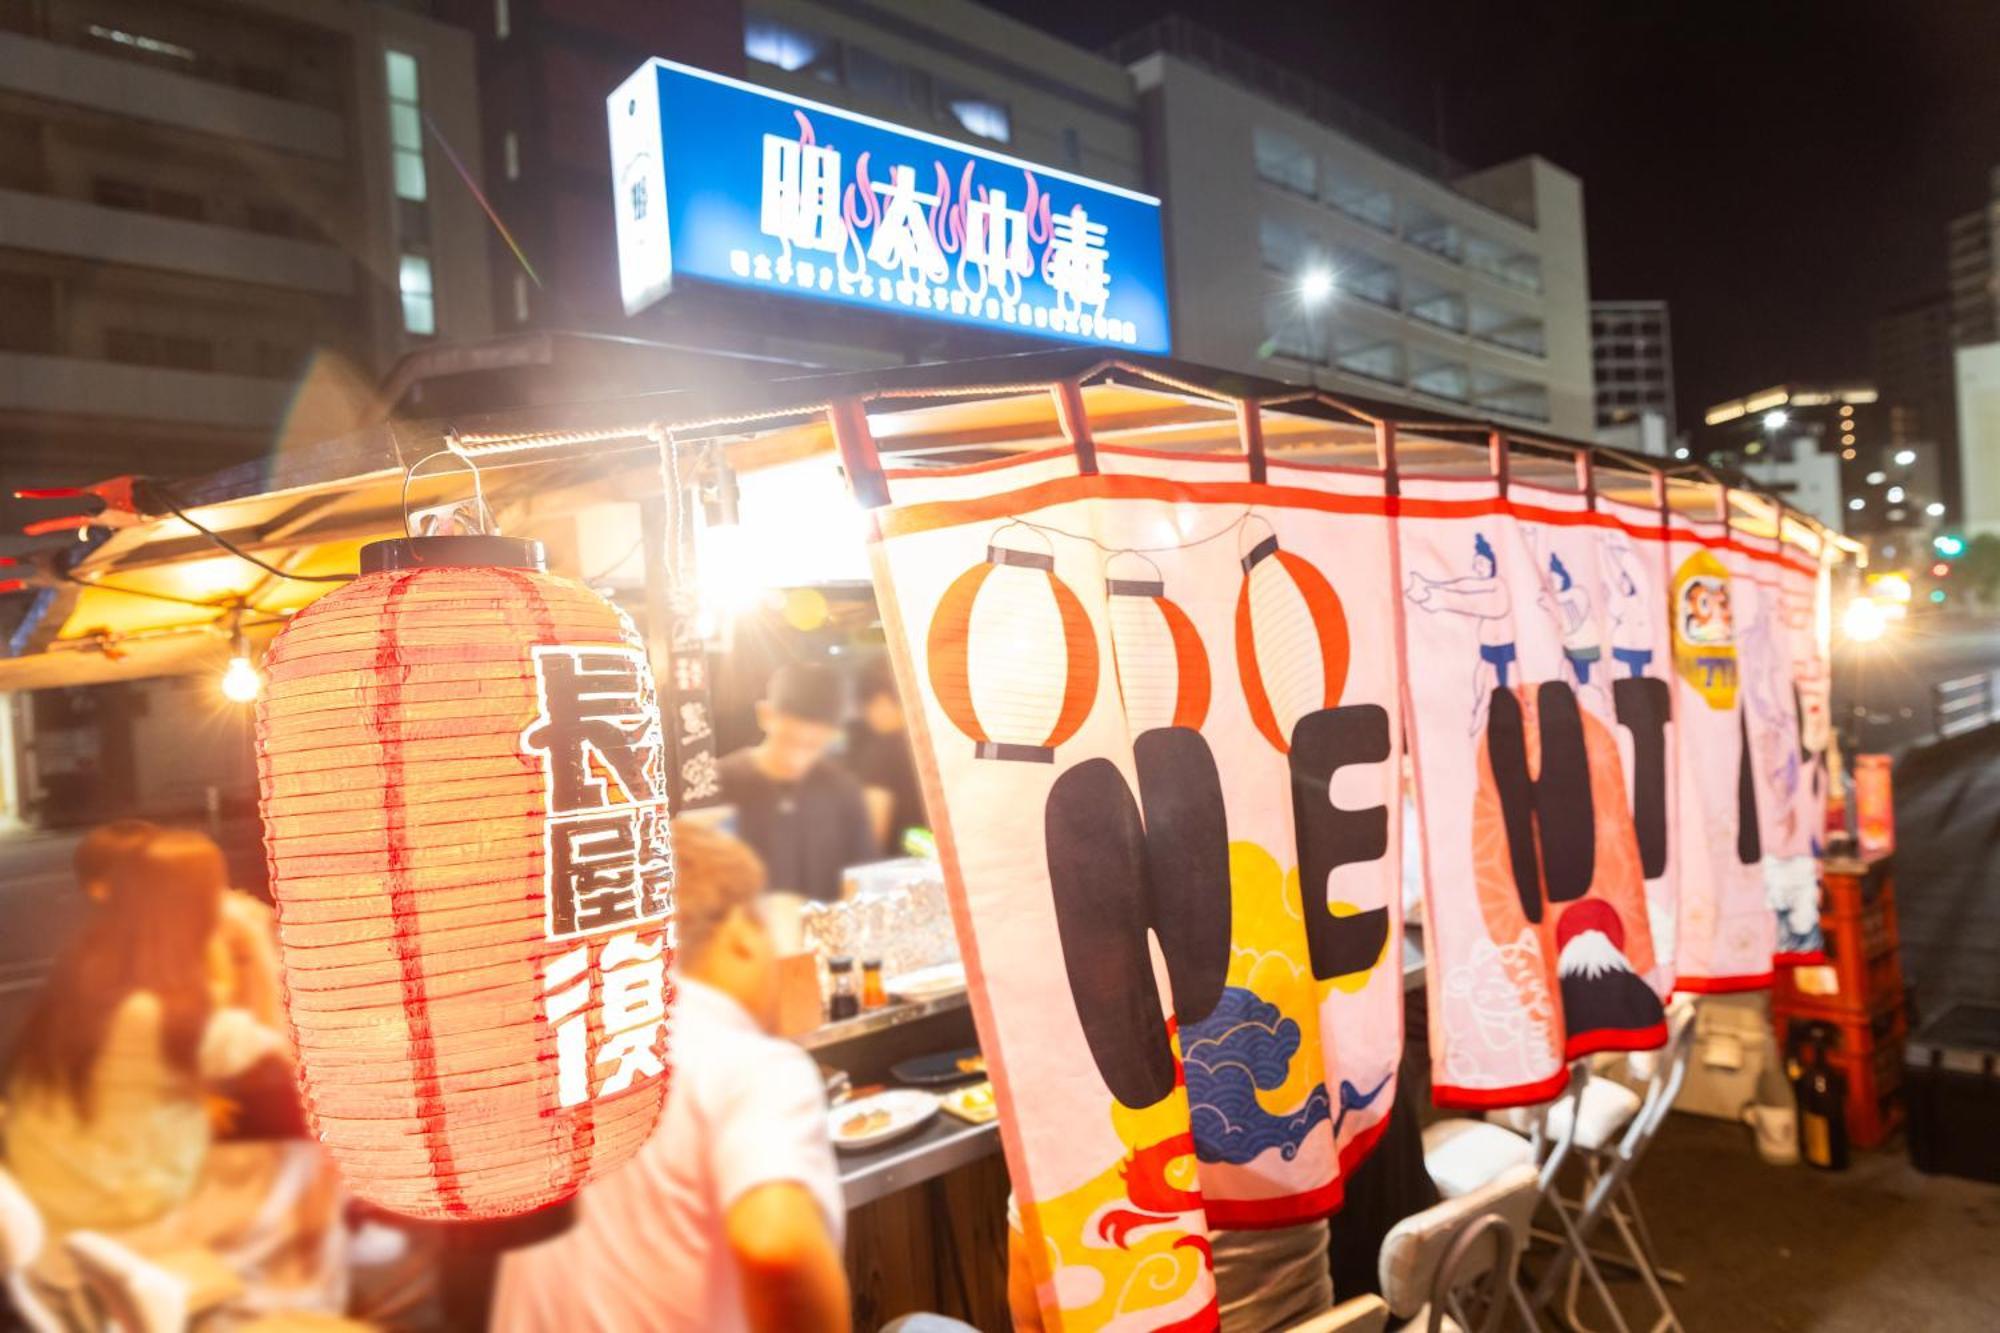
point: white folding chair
(22, 1236)
(1463, 1255)
(1462, 1155)
(1606, 1192)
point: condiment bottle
(873, 996)
(842, 1003)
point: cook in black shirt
(801, 812)
(878, 753)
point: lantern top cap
(445, 552)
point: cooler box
(1952, 1093)
(1732, 1051)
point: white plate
(906, 1108)
(927, 982)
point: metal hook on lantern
(440, 517)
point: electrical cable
(166, 498)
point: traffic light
(1940, 569)
(1948, 545)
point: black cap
(461, 551)
(808, 691)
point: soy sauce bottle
(843, 1003)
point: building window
(1283, 247)
(510, 153)
(521, 298)
(134, 41)
(886, 81)
(1293, 332)
(1283, 160)
(406, 126)
(419, 307)
(503, 19)
(141, 347)
(976, 114)
(791, 49)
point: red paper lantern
(463, 791)
(1162, 666)
(1012, 653)
(1291, 637)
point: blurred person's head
(104, 849)
(881, 703)
(799, 715)
(720, 936)
(161, 902)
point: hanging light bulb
(241, 681)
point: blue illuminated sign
(730, 183)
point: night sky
(1780, 173)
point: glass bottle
(873, 996)
(842, 1003)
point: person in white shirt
(730, 1217)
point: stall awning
(149, 593)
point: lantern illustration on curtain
(1012, 653)
(462, 772)
(1291, 636)
(1161, 665)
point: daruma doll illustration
(464, 799)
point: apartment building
(1310, 242)
(220, 223)
(1632, 366)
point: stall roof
(149, 592)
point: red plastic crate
(1848, 885)
(1855, 980)
(1869, 1054)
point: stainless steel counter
(872, 1021)
(944, 1144)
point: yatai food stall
(1182, 652)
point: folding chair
(1463, 1255)
(1461, 1155)
(1606, 1191)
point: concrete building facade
(1912, 354)
(1972, 242)
(1308, 243)
(220, 224)
(1978, 380)
(1632, 369)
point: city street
(1884, 693)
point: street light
(1935, 509)
(1905, 457)
(1776, 419)
(1857, 503)
(1895, 495)
(1316, 285)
